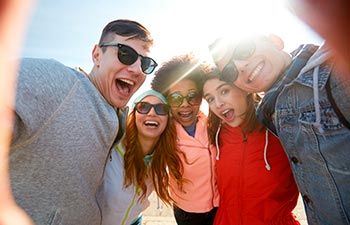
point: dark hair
(166, 159)
(125, 28)
(178, 68)
(251, 122)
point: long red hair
(165, 162)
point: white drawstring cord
(267, 165)
(217, 143)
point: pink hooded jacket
(200, 193)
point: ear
(96, 54)
(277, 41)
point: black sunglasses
(244, 50)
(144, 108)
(128, 56)
(175, 99)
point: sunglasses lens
(244, 50)
(127, 55)
(194, 98)
(230, 73)
(161, 109)
(175, 100)
(143, 107)
(148, 65)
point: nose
(240, 65)
(185, 103)
(219, 103)
(135, 68)
(152, 111)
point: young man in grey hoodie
(306, 104)
(66, 122)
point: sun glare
(190, 26)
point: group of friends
(277, 127)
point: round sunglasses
(144, 108)
(244, 50)
(128, 56)
(176, 99)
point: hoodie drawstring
(217, 143)
(267, 165)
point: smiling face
(185, 114)
(150, 125)
(116, 81)
(259, 70)
(228, 102)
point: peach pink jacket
(200, 193)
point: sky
(67, 30)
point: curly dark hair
(182, 67)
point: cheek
(239, 82)
(213, 109)
(196, 108)
(138, 119)
(173, 111)
(164, 124)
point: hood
(267, 165)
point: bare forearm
(14, 15)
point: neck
(147, 144)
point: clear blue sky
(66, 30)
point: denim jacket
(316, 142)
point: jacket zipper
(130, 206)
(211, 176)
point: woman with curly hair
(179, 79)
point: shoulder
(37, 70)
(202, 117)
(47, 77)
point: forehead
(151, 99)
(183, 86)
(224, 48)
(138, 45)
(213, 85)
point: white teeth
(127, 81)
(224, 112)
(256, 71)
(185, 113)
(151, 123)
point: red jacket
(249, 192)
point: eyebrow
(220, 86)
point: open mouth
(124, 85)
(151, 123)
(228, 113)
(185, 114)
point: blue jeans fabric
(186, 218)
(320, 158)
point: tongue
(229, 115)
(123, 87)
